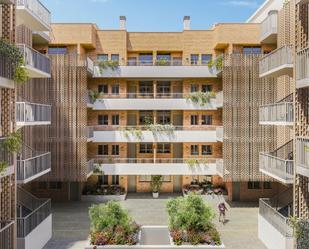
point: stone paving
(71, 223)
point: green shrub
(201, 98)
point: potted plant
(156, 183)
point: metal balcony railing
(302, 66)
(279, 164)
(90, 132)
(269, 25)
(31, 112)
(37, 9)
(35, 59)
(277, 113)
(276, 59)
(302, 153)
(30, 168)
(40, 210)
(7, 234)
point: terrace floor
(71, 223)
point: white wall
(148, 136)
(151, 104)
(262, 12)
(271, 237)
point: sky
(152, 15)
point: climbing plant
(113, 65)
(201, 98)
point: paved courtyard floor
(71, 223)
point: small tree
(156, 183)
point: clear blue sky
(152, 15)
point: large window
(103, 149)
(103, 119)
(194, 150)
(103, 89)
(146, 88)
(115, 89)
(115, 150)
(206, 120)
(206, 150)
(102, 57)
(252, 50)
(164, 117)
(145, 148)
(115, 180)
(194, 88)
(254, 185)
(206, 88)
(164, 89)
(164, 148)
(194, 119)
(57, 50)
(115, 119)
(206, 58)
(194, 59)
(115, 57)
(146, 59)
(166, 57)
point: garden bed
(103, 193)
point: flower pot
(155, 195)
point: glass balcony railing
(33, 113)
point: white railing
(282, 168)
(90, 132)
(219, 133)
(269, 25)
(169, 128)
(277, 58)
(103, 160)
(35, 59)
(90, 65)
(163, 62)
(277, 112)
(30, 167)
(302, 65)
(7, 234)
(276, 219)
(37, 9)
(30, 112)
(302, 152)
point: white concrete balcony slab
(33, 14)
(166, 166)
(269, 29)
(273, 227)
(31, 114)
(37, 65)
(302, 68)
(277, 63)
(32, 168)
(40, 37)
(153, 71)
(7, 235)
(131, 134)
(277, 168)
(131, 102)
(302, 156)
(281, 113)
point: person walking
(222, 208)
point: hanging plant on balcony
(94, 95)
(14, 56)
(163, 62)
(97, 170)
(219, 63)
(113, 65)
(3, 167)
(157, 128)
(210, 64)
(13, 142)
(192, 162)
(201, 98)
(134, 132)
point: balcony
(281, 113)
(273, 221)
(33, 14)
(7, 158)
(34, 224)
(158, 166)
(40, 37)
(279, 164)
(277, 63)
(30, 114)
(270, 28)
(90, 133)
(144, 134)
(37, 65)
(7, 234)
(219, 133)
(6, 73)
(302, 68)
(142, 101)
(33, 167)
(156, 69)
(90, 167)
(302, 156)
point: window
(206, 88)
(146, 59)
(115, 89)
(164, 89)
(132, 61)
(57, 50)
(165, 57)
(115, 57)
(194, 59)
(145, 149)
(115, 150)
(252, 50)
(55, 185)
(145, 117)
(194, 88)
(267, 185)
(206, 58)
(103, 119)
(103, 180)
(102, 57)
(146, 88)
(194, 150)
(164, 117)
(253, 185)
(42, 185)
(194, 119)
(103, 89)
(206, 120)
(206, 150)
(103, 149)
(164, 148)
(115, 120)
(115, 180)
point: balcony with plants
(277, 63)
(279, 164)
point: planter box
(103, 198)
